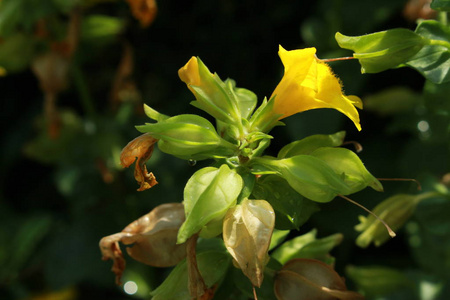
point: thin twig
(391, 232)
(419, 187)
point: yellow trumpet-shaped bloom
(308, 83)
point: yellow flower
(308, 83)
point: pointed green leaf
(308, 246)
(348, 165)
(292, 209)
(311, 143)
(382, 50)
(309, 176)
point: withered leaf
(140, 150)
(303, 278)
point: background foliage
(60, 195)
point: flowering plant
(245, 199)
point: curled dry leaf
(247, 231)
(143, 10)
(153, 236)
(140, 150)
(311, 279)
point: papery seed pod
(153, 236)
(305, 279)
(247, 231)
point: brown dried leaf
(140, 150)
(311, 279)
(153, 236)
(144, 11)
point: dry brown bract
(143, 10)
(311, 279)
(140, 150)
(154, 239)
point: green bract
(382, 50)
(187, 136)
(443, 5)
(208, 195)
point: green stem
(83, 90)
(424, 196)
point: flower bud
(212, 95)
(153, 236)
(247, 231)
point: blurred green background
(62, 188)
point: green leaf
(433, 60)
(308, 246)
(208, 195)
(443, 5)
(309, 176)
(16, 52)
(187, 137)
(311, 143)
(154, 115)
(101, 27)
(292, 209)
(212, 266)
(348, 165)
(392, 101)
(378, 281)
(382, 50)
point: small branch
(390, 231)
(336, 59)
(358, 146)
(419, 187)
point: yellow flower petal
(309, 83)
(189, 73)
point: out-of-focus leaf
(308, 246)
(392, 101)
(22, 244)
(101, 28)
(378, 281)
(443, 5)
(291, 208)
(16, 52)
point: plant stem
(83, 90)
